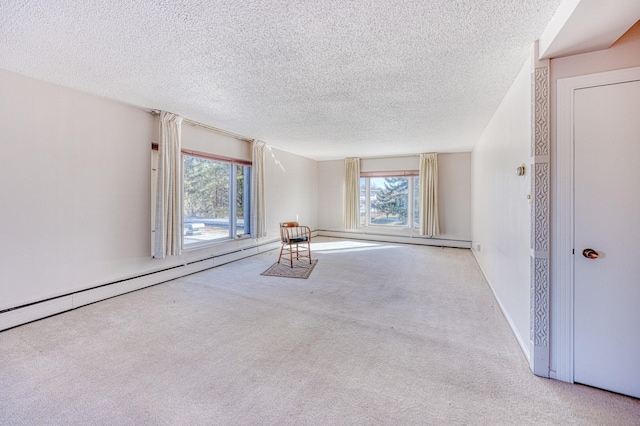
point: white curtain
(429, 221)
(258, 220)
(169, 226)
(352, 193)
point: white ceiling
(325, 79)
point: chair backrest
(288, 224)
(283, 231)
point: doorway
(599, 136)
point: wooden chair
(296, 241)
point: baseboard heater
(23, 314)
(404, 239)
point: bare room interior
(460, 171)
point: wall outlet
(478, 247)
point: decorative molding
(532, 295)
(532, 230)
(541, 308)
(540, 220)
(541, 111)
(541, 207)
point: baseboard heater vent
(23, 314)
(395, 238)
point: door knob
(590, 253)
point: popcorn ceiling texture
(324, 79)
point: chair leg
(280, 257)
(291, 256)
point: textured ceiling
(325, 79)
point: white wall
(454, 196)
(389, 164)
(75, 188)
(74, 185)
(291, 190)
(331, 195)
(500, 208)
(200, 139)
(454, 173)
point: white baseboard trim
(523, 346)
(36, 311)
(425, 241)
(39, 310)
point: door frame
(563, 258)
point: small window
(215, 200)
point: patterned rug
(301, 269)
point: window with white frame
(215, 198)
(389, 199)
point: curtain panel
(429, 220)
(169, 226)
(258, 219)
(352, 193)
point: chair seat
(298, 240)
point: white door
(607, 220)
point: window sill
(388, 228)
(214, 243)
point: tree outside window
(215, 199)
(389, 201)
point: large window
(215, 199)
(389, 201)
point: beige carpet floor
(379, 334)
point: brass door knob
(590, 253)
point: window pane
(363, 201)
(205, 199)
(416, 202)
(389, 201)
(242, 200)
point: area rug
(301, 269)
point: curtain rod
(207, 127)
(216, 130)
(389, 156)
